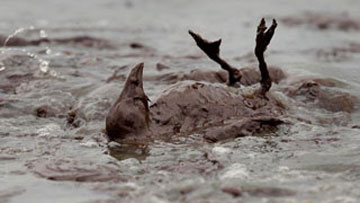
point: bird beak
(137, 72)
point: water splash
(18, 31)
(44, 65)
(43, 34)
(2, 65)
(48, 51)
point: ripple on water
(71, 170)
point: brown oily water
(204, 123)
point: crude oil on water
(49, 155)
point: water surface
(44, 159)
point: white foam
(50, 130)
(89, 144)
(220, 150)
(236, 170)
